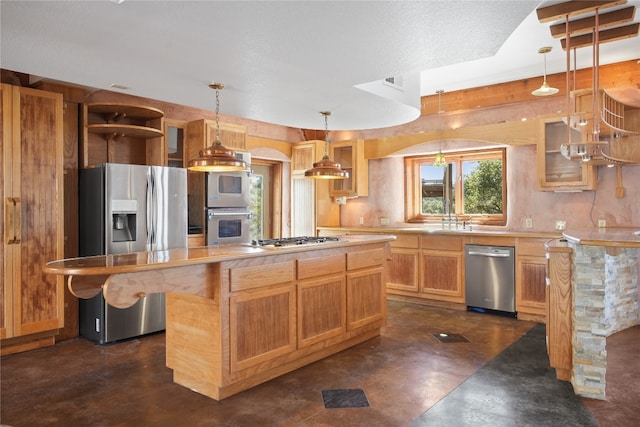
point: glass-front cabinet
(350, 155)
(555, 172)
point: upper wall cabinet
(350, 155)
(555, 172)
(202, 133)
(122, 133)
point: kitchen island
(239, 315)
(604, 285)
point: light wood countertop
(608, 237)
(181, 257)
(438, 230)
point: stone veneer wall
(605, 301)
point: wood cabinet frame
(32, 212)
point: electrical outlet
(561, 225)
(361, 220)
(341, 200)
(384, 221)
(602, 223)
(528, 223)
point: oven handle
(213, 213)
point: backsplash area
(579, 209)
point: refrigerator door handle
(150, 211)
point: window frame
(413, 187)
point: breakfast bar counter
(239, 315)
(605, 268)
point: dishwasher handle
(493, 254)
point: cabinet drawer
(314, 267)
(410, 241)
(444, 243)
(366, 258)
(533, 247)
(254, 276)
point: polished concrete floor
(407, 376)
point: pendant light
(326, 168)
(440, 160)
(217, 158)
(545, 89)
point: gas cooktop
(292, 241)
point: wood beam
(605, 36)
(605, 20)
(621, 74)
(572, 8)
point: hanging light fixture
(326, 168)
(440, 160)
(545, 89)
(217, 158)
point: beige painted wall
(579, 210)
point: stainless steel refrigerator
(129, 208)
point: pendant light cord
(326, 115)
(218, 117)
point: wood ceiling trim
(610, 35)
(579, 26)
(561, 10)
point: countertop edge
(607, 237)
(434, 230)
(102, 265)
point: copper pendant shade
(217, 157)
(326, 168)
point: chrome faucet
(446, 207)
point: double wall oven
(228, 214)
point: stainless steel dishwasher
(490, 277)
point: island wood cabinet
(350, 155)
(530, 279)
(559, 308)
(273, 314)
(555, 172)
(122, 133)
(32, 225)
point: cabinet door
(321, 310)
(403, 270)
(350, 155)
(531, 287)
(6, 215)
(441, 275)
(262, 325)
(555, 172)
(37, 189)
(366, 298)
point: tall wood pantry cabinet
(32, 227)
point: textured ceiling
(284, 62)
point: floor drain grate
(450, 338)
(344, 398)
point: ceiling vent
(396, 82)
